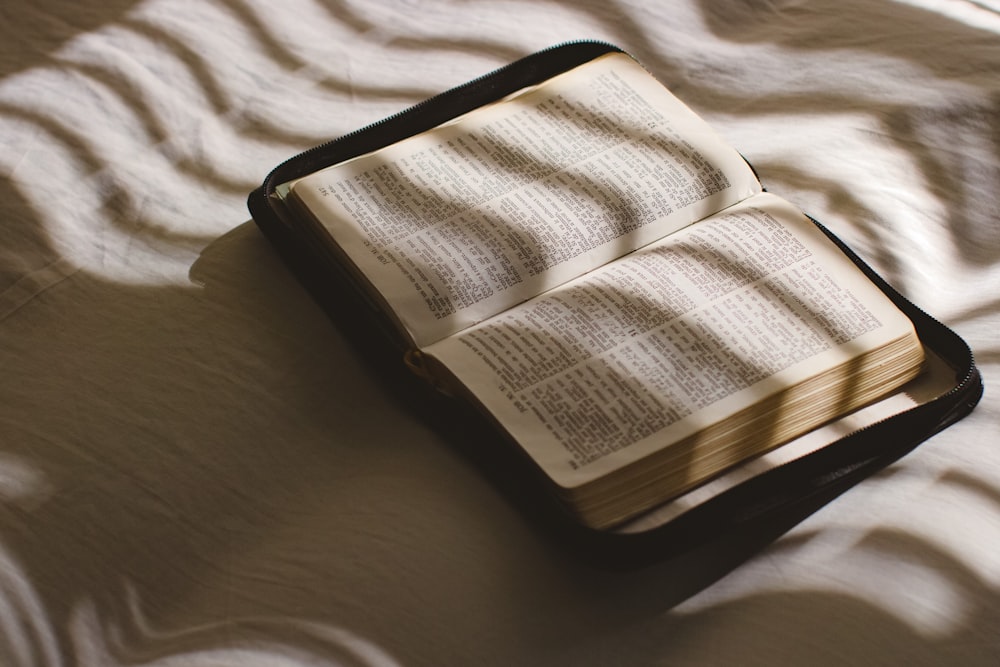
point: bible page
(462, 222)
(651, 348)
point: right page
(718, 342)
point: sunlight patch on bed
(231, 642)
(983, 14)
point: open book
(593, 267)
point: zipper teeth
(423, 103)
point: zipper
(819, 482)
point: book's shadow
(543, 560)
(689, 560)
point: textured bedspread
(195, 466)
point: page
(937, 379)
(603, 370)
(460, 223)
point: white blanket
(196, 469)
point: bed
(197, 468)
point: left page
(460, 223)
